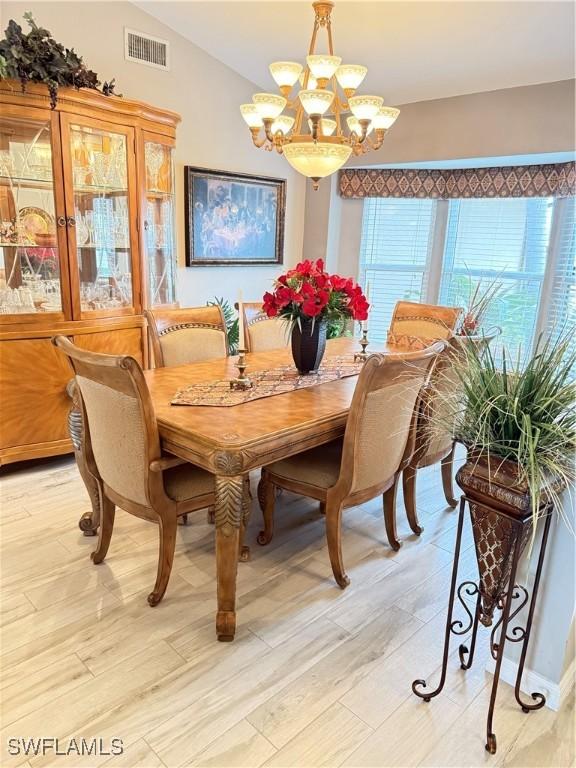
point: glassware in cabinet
(101, 218)
(159, 250)
(30, 275)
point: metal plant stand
(516, 533)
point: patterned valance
(551, 180)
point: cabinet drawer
(124, 341)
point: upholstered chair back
(382, 415)
(434, 436)
(415, 326)
(121, 432)
(263, 332)
(187, 335)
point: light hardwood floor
(315, 677)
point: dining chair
(367, 461)
(415, 326)
(434, 440)
(262, 332)
(186, 335)
(122, 453)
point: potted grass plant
(477, 304)
(518, 423)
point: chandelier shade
(316, 102)
(329, 120)
(327, 126)
(365, 107)
(317, 160)
(350, 77)
(282, 123)
(323, 67)
(385, 117)
(312, 84)
(269, 105)
(285, 73)
(251, 115)
(355, 127)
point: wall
(514, 121)
(549, 662)
(532, 120)
(212, 133)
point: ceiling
(414, 51)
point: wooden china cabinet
(86, 244)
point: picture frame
(233, 219)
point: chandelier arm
(312, 46)
(337, 108)
(329, 33)
(268, 129)
(257, 140)
(298, 121)
(377, 143)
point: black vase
(308, 345)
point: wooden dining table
(230, 441)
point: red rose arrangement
(309, 292)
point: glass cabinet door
(101, 166)
(158, 241)
(30, 241)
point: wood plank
(240, 747)
(282, 716)
(326, 742)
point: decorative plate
(34, 221)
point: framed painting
(233, 218)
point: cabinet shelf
(25, 182)
(92, 247)
(27, 245)
(97, 189)
(159, 194)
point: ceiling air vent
(146, 49)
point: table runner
(276, 381)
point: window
(560, 313)
(502, 240)
(436, 250)
(395, 253)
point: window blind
(395, 255)
(502, 240)
(561, 314)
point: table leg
(244, 549)
(228, 514)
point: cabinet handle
(61, 221)
(71, 221)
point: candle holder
(241, 381)
(361, 357)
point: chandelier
(317, 140)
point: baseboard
(532, 681)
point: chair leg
(389, 501)
(322, 507)
(210, 517)
(183, 519)
(107, 514)
(167, 529)
(409, 493)
(267, 499)
(446, 468)
(334, 539)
